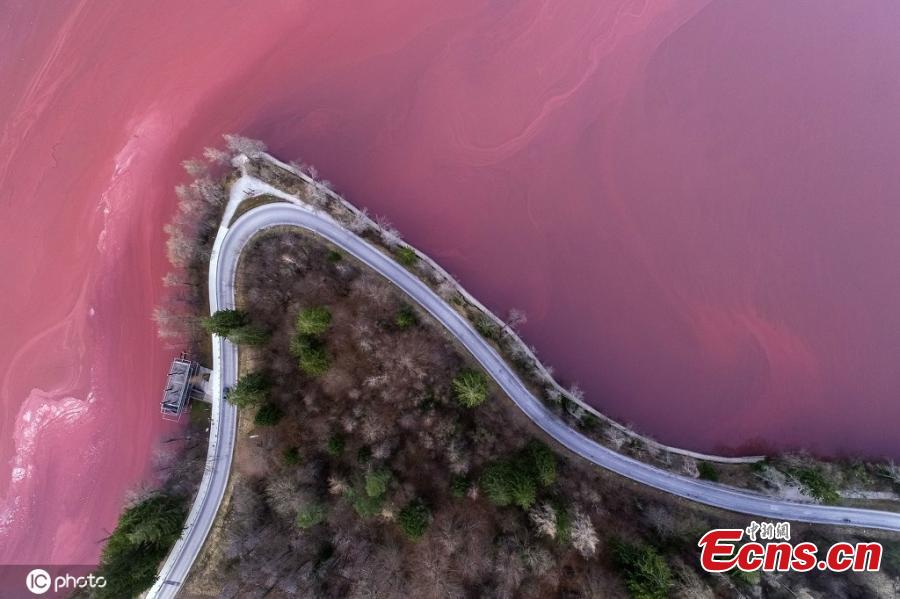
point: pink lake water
(697, 203)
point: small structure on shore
(187, 380)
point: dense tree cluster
(142, 539)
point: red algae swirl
(696, 202)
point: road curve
(223, 264)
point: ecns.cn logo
(38, 581)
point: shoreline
(360, 216)
(791, 477)
(803, 487)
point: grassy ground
(250, 203)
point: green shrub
(414, 519)
(590, 422)
(251, 390)
(892, 557)
(508, 483)
(336, 444)
(377, 482)
(427, 402)
(515, 479)
(323, 556)
(268, 415)
(470, 388)
(405, 317)
(313, 321)
(563, 522)
(310, 515)
(249, 334)
(646, 573)
(459, 486)
(312, 357)
(761, 465)
(817, 485)
(542, 461)
(200, 413)
(406, 256)
(142, 539)
(747, 580)
(291, 456)
(224, 321)
(364, 504)
(522, 488)
(335, 256)
(708, 471)
(315, 362)
(487, 327)
(494, 482)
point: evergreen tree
(141, 540)
(313, 321)
(251, 390)
(414, 519)
(647, 575)
(249, 334)
(268, 415)
(470, 388)
(224, 322)
(310, 515)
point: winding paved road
(229, 243)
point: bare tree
(509, 570)
(576, 393)
(176, 279)
(359, 221)
(211, 191)
(689, 585)
(179, 248)
(172, 325)
(389, 234)
(689, 467)
(239, 144)
(337, 485)
(194, 167)
(890, 471)
(543, 517)
(515, 318)
(457, 456)
(538, 560)
(283, 496)
(584, 536)
(448, 288)
(662, 520)
(216, 156)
